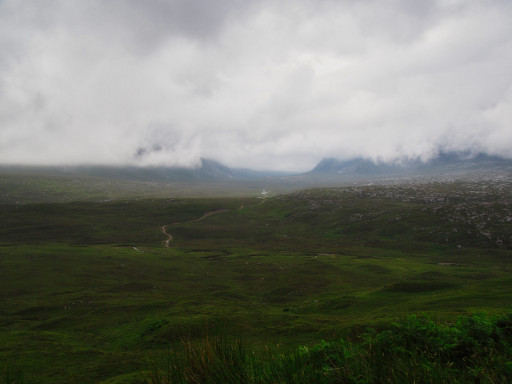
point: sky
(261, 84)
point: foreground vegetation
(89, 292)
(476, 348)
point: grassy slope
(49, 187)
(79, 302)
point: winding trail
(164, 231)
(209, 213)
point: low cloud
(267, 85)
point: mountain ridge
(350, 170)
(443, 162)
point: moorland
(91, 291)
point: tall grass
(10, 375)
(475, 349)
(210, 360)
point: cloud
(274, 85)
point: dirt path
(164, 231)
(164, 227)
(210, 213)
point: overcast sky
(259, 84)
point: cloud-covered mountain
(443, 163)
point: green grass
(78, 303)
(10, 375)
(475, 348)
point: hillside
(91, 293)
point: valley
(91, 293)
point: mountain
(357, 166)
(212, 169)
(445, 163)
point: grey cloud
(162, 141)
(198, 19)
(143, 26)
(265, 85)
